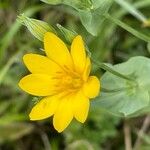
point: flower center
(72, 82)
(68, 80)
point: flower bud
(66, 34)
(36, 27)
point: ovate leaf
(130, 98)
(77, 4)
(93, 19)
(91, 12)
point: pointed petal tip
(82, 121)
(59, 131)
(31, 117)
(56, 128)
(48, 34)
(26, 57)
(57, 50)
(79, 36)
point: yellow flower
(62, 77)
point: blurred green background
(102, 130)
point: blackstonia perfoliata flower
(62, 78)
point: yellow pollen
(71, 82)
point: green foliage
(39, 28)
(112, 44)
(124, 97)
(14, 131)
(91, 17)
(6, 39)
(36, 27)
(78, 4)
(130, 8)
(94, 133)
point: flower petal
(87, 69)
(45, 108)
(92, 87)
(38, 84)
(78, 53)
(57, 50)
(63, 115)
(40, 64)
(81, 107)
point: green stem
(105, 67)
(115, 90)
(131, 9)
(109, 69)
(128, 28)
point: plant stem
(115, 90)
(105, 67)
(132, 10)
(128, 28)
(109, 69)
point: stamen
(68, 81)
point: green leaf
(130, 99)
(90, 13)
(77, 4)
(93, 19)
(8, 118)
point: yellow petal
(78, 53)
(87, 69)
(92, 87)
(56, 50)
(38, 84)
(63, 115)
(81, 107)
(40, 64)
(45, 108)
